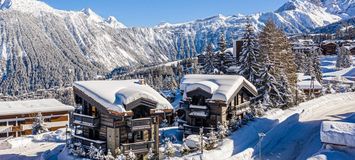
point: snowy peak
(92, 15)
(28, 6)
(114, 23)
(338, 7)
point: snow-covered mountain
(44, 47)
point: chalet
(209, 99)
(118, 114)
(308, 85)
(329, 47)
(17, 117)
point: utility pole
(261, 136)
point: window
(198, 100)
(139, 136)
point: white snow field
(290, 134)
(34, 147)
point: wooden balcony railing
(140, 123)
(85, 120)
(138, 147)
(86, 142)
(196, 129)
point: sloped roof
(222, 87)
(32, 106)
(115, 94)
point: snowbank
(338, 133)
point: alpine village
(254, 89)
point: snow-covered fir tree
(109, 155)
(92, 151)
(316, 52)
(151, 155)
(221, 59)
(344, 58)
(222, 130)
(169, 148)
(131, 155)
(278, 60)
(38, 125)
(285, 92)
(212, 140)
(269, 90)
(250, 60)
(209, 65)
(300, 60)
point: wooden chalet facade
(118, 114)
(329, 48)
(17, 117)
(209, 99)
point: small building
(17, 117)
(121, 114)
(329, 47)
(309, 86)
(209, 99)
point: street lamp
(261, 136)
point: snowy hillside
(42, 47)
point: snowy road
(290, 134)
(298, 136)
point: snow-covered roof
(306, 84)
(222, 87)
(340, 133)
(32, 106)
(115, 94)
(302, 77)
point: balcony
(188, 130)
(138, 147)
(139, 124)
(86, 142)
(85, 120)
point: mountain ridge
(81, 44)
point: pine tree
(38, 125)
(249, 61)
(269, 92)
(300, 60)
(285, 92)
(221, 59)
(316, 65)
(209, 67)
(277, 55)
(222, 43)
(344, 58)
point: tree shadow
(292, 139)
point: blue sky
(152, 12)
